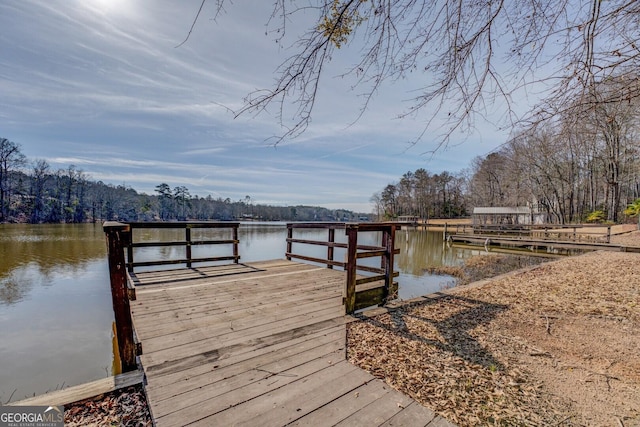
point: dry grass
(484, 266)
(627, 239)
(555, 345)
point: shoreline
(548, 344)
(392, 318)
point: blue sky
(100, 84)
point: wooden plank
(202, 270)
(231, 280)
(232, 288)
(256, 276)
(318, 242)
(222, 333)
(440, 422)
(233, 319)
(176, 383)
(378, 411)
(222, 292)
(83, 391)
(249, 392)
(157, 316)
(351, 269)
(192, 298)
(154, 279)
(412, 415)
(344, 406)
(224, 305)
(330, 353)
(183, 243)
(176, 361)
(284, 405)
(180, 224)
(146, 279)
(215, 313)
(368, 298)
(216, 322)
(181, 261)
(315, 259)
(207, 348)
(226, 301)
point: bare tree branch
(474, 55)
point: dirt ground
(557, 344)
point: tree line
(424, 195)
(582, 165)
(31, 192)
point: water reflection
(55, 308)
(30, 254)
(420, 249)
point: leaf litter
(557, 344)
(126, 407)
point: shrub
(596, 216)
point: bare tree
(11, 159)
(40, 175)
(474, 54)
(615, 123)
(378, 207)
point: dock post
(332, 239)
(236, 254)
(388, 242)
(289, 244)
(609, 234)
(187, 236)
(352, 254)
(118, 238)
(444, 233)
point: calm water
(55, 302)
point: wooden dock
(257, 344)
(533, 243)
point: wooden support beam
(83, 391)
(351, 268)
(289, 243)
(388, 242)
(369, 298)
(118, 238)
(236, 254)
(187, 238)
(332, 239)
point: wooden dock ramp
(260, 344)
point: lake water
(55, 302)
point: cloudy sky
(100, 84)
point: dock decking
(531, 243)
(257, 344)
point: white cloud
(100, 85)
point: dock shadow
(454, 329)
(186, 274)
